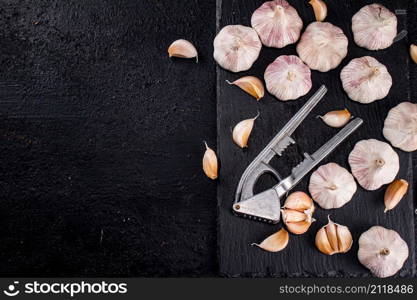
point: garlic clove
(242, 131)
(277, 23)
(337, 118)
(331, 232)
(182, 48)
(288, 78)
(374, 27)
(319, 8)
(299, 201)
(365, 79)
(345, 239)
(292, 215)
(413, 52)
(251, 85)
(322, 242)
(394, 193)
(275, 242)
(236, 47)
(333, 238)
(373, 163)
(297, 212)
(400, 126)
(210, 164)
(298, 227)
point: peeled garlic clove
(413, 53)
(373, 163)
(394, 193)
(322, 46)
(297, 212)
(374, 27)
(242, 131)
(275, 242)
(334, 238)
(336, 118)
(365, 79)
(251, 85)
(277, 23)
(236, 47)
(382, 251)
(182, 48)
(320, 9)
(210, 164)
(288, 78)
(332, 186)
(400, 126)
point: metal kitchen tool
(266, 206)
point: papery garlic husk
(365, 79)
(251, 85)
(400, 126)
(275, 242)
(337, 118)
(182, 48)
(332, 186)
(322, 46)
(210, 164)
(413, 53)
(333, 238)
(382, 251)
(288, 78)
(373, 163)
(374, 27)
(277, 23)
(236, 47)
(394, 193)
(242, 131)
(297, 212)
(320, 9)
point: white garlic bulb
(400, 126)
(277, 23)
(322, 46)
(382, 251)
(332, 186)
(236, 47)
(373, 163)
(288, 78)
(365, 79)
(374, 27)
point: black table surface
(101, 138)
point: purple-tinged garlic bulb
(236, 47)
(287, 78)
(400, 126)
(277, 23)
(374, 27)
(365, 79)
(373, 163)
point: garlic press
(266, 205)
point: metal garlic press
(266, 206)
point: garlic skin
(382, 251)
(236, 47)
(374, 27)
(297, 212)
(373, 163)
(182, 48)
(365, 79)
(251, 85)
(242, 131)
(275, 242)
(400, 126)
(322, 46)
(333, 238)
(210, 164)
(319, 8)
(394, 193)
(332, 186)
(413, 52)
(336, 118)
(288, 78)
(277, 23)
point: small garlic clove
(275, 242)
(322, 242)
(331, 232)
(299, 201)
(251, 85)
(333, 238)
(337, 118)
(298, 227)
(345, 239)
(394, 193)
(182, 48)
(413, 52)
(291, 215)
(210, 164)
(242, 131)
(319, 8)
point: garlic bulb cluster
(275, 242)
(333, 238)
(373, 163)
(182, 48)
(400, 126)
(337, 118)
(374, 27)
(297, 212)
(236, 47)
(251, 85)
(210, 164)
(277, 23)
(382, 251)
(322, 46)
(288, 78)
(365, 79)
(242, 131)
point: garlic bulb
(365, 79)
(275, 242)
(182, 48)
(374, 27)
(413, 52)
(400, 126)
(210, 164)
(333, 238)
(251, 85)
(382, 251)
(332, 186)
(242, 131)
(319, 8)
(336, 118)
(277, 23)
(297, 212)
(373, 163)
(322, 46)
(288, 78)
(394, 193)
(236, 47)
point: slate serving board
(300, 258)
